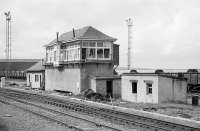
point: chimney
(74, 35)
(57, 35)
(130, 25)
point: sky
(166, 33)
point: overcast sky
(166, 33)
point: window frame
(54, 54)
(104, 46)
(149, 89)
(134, 88)
(36, 78)
(100, 55)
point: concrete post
(130, 24)
(3, 82)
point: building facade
(76, 55)
(153, 88)
(36, 76)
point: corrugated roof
(36, 67)
(87, 32)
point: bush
(90, 94)
(192, 71)
(159, 71)
(87, 92)
(13, 84)
(133, 71)
(95, 97)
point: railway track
(66, 119)
(118, 117)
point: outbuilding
(153, 88)
(109, 86)
(36, 76)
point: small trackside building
(109, 86)
(75, 56)
(36, 76)
(153, 88)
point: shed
(153, 88)
(109, 86)
(36, 76)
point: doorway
(109, 88)
(40, 81)
(195, 100)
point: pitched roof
(36, 67)
(85, 33)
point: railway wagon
(15, 68)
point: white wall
(32, 83)
(92, 84)
(180, 90)
(172, 89)
(164, 89)
(67, 79)
(141, 95)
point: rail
(115, 116)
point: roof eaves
(34, 71)
(85, 38)
(54, 43)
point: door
(195, 100)
(83, 53)
(109, 89)
(40, 81)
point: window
(149, 88)
(85, 44)
(96, 50)
(92, 44)
(134, 87)
(36, 78)
(67, 54)
(64, 56)
(107, 44)
(106, 53)
(99, 53)
(91, 53)
(47, 57)
(99, 44)
(54, 55)
(76, 54)
(29, 78)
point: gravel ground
(14, 119)
(171, 109)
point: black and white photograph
(99, 65)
